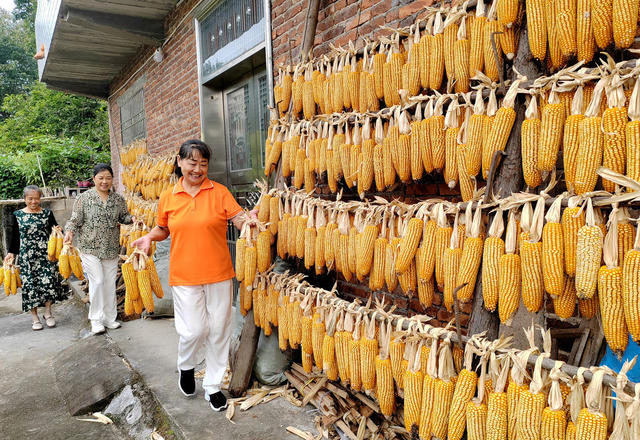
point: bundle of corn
(610, 291)
(588, 255)
(275, 150)
(509, 275)
(282, 90)
(471, 255)
(592, 422)
(68, 261)
(141, 280)
(55, 243)
(10, 277)
(130, 153)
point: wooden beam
(78, 88)
(245, 356)
(144, 30)
(310, 29)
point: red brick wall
(171, 100)
(339, 21)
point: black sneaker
(187, 383)
(217, 401)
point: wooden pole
(310, 25)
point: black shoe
(217, 401)
(187, 383)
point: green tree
(18, 69)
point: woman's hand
(253, 213)
(143, 243)
(9, 257)
(68, 237)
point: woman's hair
(186, 152)
(30, 188)
(100, 167)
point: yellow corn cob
(537, 28)
(469, 265)
(390, 277)
(51, 247)
(614, 121)
(476, 415)
(464, 391)
(507, 11)
(450, 38)
(377, 272)
(437, 140)
(572, 221)
(461, 62)
(493, 251)
(553, 258)
(551, 127)
(497, 421)
(384, 386)
(500, 131)
(63, 264)
(589, 250)
(443, 237)
(409, 245)
(354, 364)
(612, 309)
(130, 280)
(317, 338)
(586, 43)
(564, 305)
(529, 415)
(626, 234)
(492, 65)
(250, 264)
(592, 422)
(476, 53)
(509, 286)
(436, 59)
(514, 391)
(566, 26)
(530, 136)
(451, 264)
(396, 353)
(588, 308)
(263, 251)
(412, 398)
(368, 349)
(298, 237)
(571, 431)
(442, 398)
(630, 291)
(532, 282)
(602, 22)
(570, 147)
(625, 22)
(553, 424)
(309, 247)
(341, 356)
(555, 52)
(144, 285)
(329, 362)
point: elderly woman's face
(32, 200)
(103, 180)
(194, 168)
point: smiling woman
(195, 213)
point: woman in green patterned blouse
(96, 218)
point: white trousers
(203, 321)
(102, 287)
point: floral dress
(41, 281)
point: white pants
(102, 287)
(203, 320)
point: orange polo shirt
(198, 228)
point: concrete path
(150, 346)
(30, 403)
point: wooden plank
(314, 390)
(245, 356)
(578, 348)
(147, 8)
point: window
(132, 117)
(241, 22)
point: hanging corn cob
(490, 39)
(575, 402)
(436, 54)
(476, 36)
(572, 220)
(586, 44)
(402, 148)
(614, 121)
(592, 422)
(554, 417)
(476, 409)
(509, 275)
(493, 250)
(630, 288)
(464, 391)
(466, 182)
(419, 146)
(473, 153)
(497, 421)
(602, 22)
(529, 138)
(413, 384)
(610, 291)
(461, 50)
(566, 26)
(450, 32)
(451, 264)
(537, 28)
(437, 134)
(368, 350)
(553, 251)
(501, 126)
(451, 144)
(443, 391)
(552, 123)
(571, 139)
(384, 372)
(471, 256)
(555, 57)
(353, 353)
(442, 241)
(591, 144)
(625, 22)
(531, 260)
(632, 134)
(329, 363)
(588, 255)
(428, 387)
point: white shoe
(97, 328)
(112, 325)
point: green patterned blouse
(95, 224)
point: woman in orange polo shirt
(195, 213)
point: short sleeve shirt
(198, 227)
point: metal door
(246, 121)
